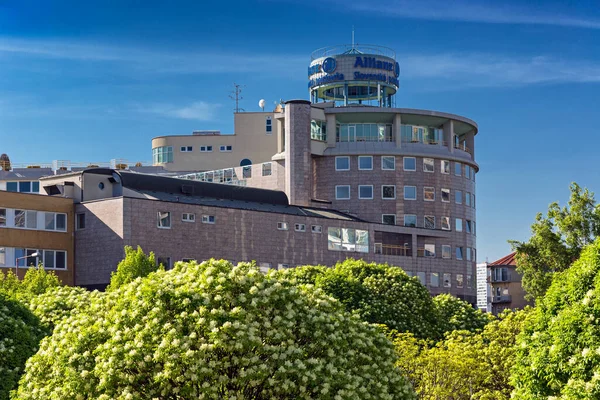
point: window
(247, 171)
(447, 280)
(388, 192)
(473, 227)
(459, 253)
(165, 262)
(410, 192)
(342, 192)
(161, 155)
(468, 199)
(342, 163)
(429, 250)
(421, 277)
(268, 125)
(348, 239)
(365, 192)
(12, 186)
(188, 217)
(467, 226)
(300, 228)
(282, 226)
(25, 219)
(186, 149)
(25, 187)
(428, 165)
(388, 163)
(2, 216)
(365, 162)
(49, 221)
(446, 195)
(19, 219)
(458, 197)
(458, 225)
(364, 133)
(2, 256)
(410, 220)
(225, 148)
(208, 219)
(473, 200)
(80, 221)
(434, 279)
(445, 166)
(388, 219)
(446, 223)
(468, 249)
(469, 281)
(410, 163)
(164, 219)
(205, 149)
(446, 251)
(429, 194)
(429, 222)
(283, 266)
(318, 130)
(457, 169)
(316, 229)
(467, 171)
(459, 280)
(266, 169)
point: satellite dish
(261, 104)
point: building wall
(39, 238)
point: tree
(35, 282)
(455, 314)
(557, 240)
(379, 293)
(136, 264)
(214, 331)
(20, 333)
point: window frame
(427, 249)
(382, 191)
(298, 227)
(185, 217)
(410, 186)
(458, 197)
(282, 226)
(449, 194)
(427, 161)
(360, 195)
(458, 224)
(431, 191)
(388, 157)
(265, 169)
(404, 159)
(459, 166)
(446, 251)
(158, 222)
(316, 228)
(209, 219)
(342, 157)
(443, 169)
(388, 215)
(366, 158)
(425, 217)
(431, 281)
(447, 275)
(445, 219)
(342, 198)
(409, 215)
(78, 220)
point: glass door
(352, 133)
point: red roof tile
(506, 260)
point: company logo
(329, 65)
(397, 70)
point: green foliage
(214, 331)
(456, 314)
(379, 293)
(36, 281)
(20, 333)
(136, 264)
(559, 348)
(557, 240)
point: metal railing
(463, 148)
(393, 250)
(367, 49)
(505, 298)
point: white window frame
(388, 198)
(365, 198)
(425, 221)
(427, 248)
(186, 149)
(449, 280)
(342, 198)
(316, 229)
(224, 148)
(449, 195)
(365, 157)
(300, 227)
(431, 190)
(404, 163)
(429, 161)
(443, 163)
(158, 222)
(268, 124)
(185, 217)
(388, 169)
(209, 219)
(205, 149)
(437, 275)
(447, 220)
(447, 251)
(388, 215)
(342, 169)
(410, 215)
(282, 226)
(409, 186)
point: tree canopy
(136, 264)
(455, 314)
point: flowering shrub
(59, 303)
(135, 264)
(36, 281)
(214, 331)
(379, 293)
(456, 314)
(20, 333)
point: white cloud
(199, 110)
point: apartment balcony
(505, 298)
(499, 279)
(393, 250)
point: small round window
(101, 185)
(245, 162)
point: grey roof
(20, 174)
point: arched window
(245, 162)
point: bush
(214, 331)
(20, 333)
(379, 293)
(456, 314)
(36, 281)
(136, 264)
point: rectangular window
(410, 220)
(429, 222)
(458, 196)
(388, 163)
(348, 239)
(12, 186)
(31, 219)
(165, 262)
(268, 125)
(342, 163)
(410, 192)
(342, 192)
(225, 148)
(457, 169)
(428, 164)
(365, 162)
(316, 229)
(434, 279)
(388, 219)
(445, 166)
(365, 192)
(459, 253)
(61, 260)
(206, 149)
(283, 266)
(19, 219)
(429, 250)
(459, 280)
(2, 256)
(446, 251)
(473, 227)
(247, 172)
(300, 227)
(35, 187)
(447, 280)
(25, 187)
(2, 216)
(468, 249)
(445, 223)
(164, 219)
(334, 239)
(186, 149)
(61, 222)
(208, 219)
(445, 195)
(429, 194)
(468, 199)
(49, 221)
(469, 281)
(473, 200)
(458, 225)
(467, 171)
(188, 217)
(48, 259)
(421, 277)
(161, 155)
(266, 169)
(410, 163)
(388, 192)
(80, 221)
(467, 226)
(282, 226)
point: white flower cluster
(214, 331)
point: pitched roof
(506, 260)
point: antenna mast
(352, 36)
(236, 95)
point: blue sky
(96, 80)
